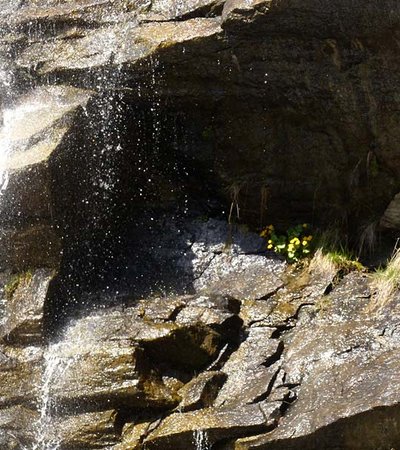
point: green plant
(293, 245)
(15, 281)
(344, 260)
(332, 245)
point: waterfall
(5, 123)
(54, 367)
(201, 441)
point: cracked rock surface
(308, 366)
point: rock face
(208, 369)
(131, 316)
(317, 82)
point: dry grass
(385, 282)
(369, 239)
(321, 263)
(329, 261)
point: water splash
(200, 440)
(56, 363)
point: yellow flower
(271, 227)
(270, 246)
(309, 238)
(290, 247)
(270, 241)
(305, 242)
(295, 241)
(305, 225)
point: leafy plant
(293, 245)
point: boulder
(32, 131)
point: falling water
(54, 367)
(201, 441)
(5, 87)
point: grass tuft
(385, 281)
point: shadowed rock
(24, 310)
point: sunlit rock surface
(32, 132)
(153, 373)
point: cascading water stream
(55, 364)
(201, 441)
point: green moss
(336, 250)
(344, 260)
(15, 282)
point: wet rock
(216, 311)
(145, 41)
(17, 427)
(241, 11)
(349, 391)
(116, 357)
(27, 247)
(242, 276)
(24, 311)
(201, 391)
(20, 375)
(336, 370)
(178, 431)
(251, 369)
(85, 431)
(32, 130)
(301, 288)
(100, 12)
(133, 436)
(108, 374)
(189, 348)
(188, 336)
